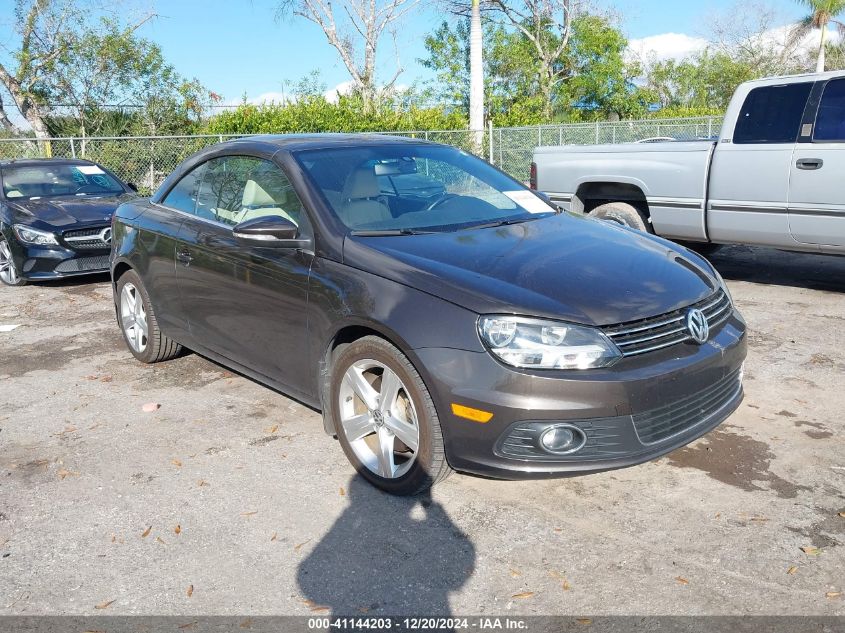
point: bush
(313, 113)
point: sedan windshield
(399, 189)
(59, 179)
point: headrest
(361, 184)
(255, 196)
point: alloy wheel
(133, 317)
(8, 272)
(378, 418)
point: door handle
(184, 256)
(809, 163)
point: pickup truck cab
(773, 176)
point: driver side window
(239, 188)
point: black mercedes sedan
(55, 218)
(464, 325)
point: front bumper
(36, 263)
(639, 409)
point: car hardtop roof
(33, 162)
(325, 140)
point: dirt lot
(229, 499)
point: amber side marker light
(476, 415)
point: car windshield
(60, 179)
(395, 189)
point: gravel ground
(229, 499)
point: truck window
(772, 114)
(830, 122)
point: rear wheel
(137, 320)
(622, 213)
(385, 418)
(8, 271)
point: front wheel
(385, 418)
(137, 320)
(8, 271)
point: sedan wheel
(378, 418)
(385, 418)
(138, 322)
(8, 272)
(133, 318)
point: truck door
(749, 178)
(816, 194)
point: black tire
(622, 213)
(18, 280)
(159, 347)
(430, 465)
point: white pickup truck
(775, 176)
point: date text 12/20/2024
(416, 624)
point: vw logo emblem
(698, 326)
(105, 236)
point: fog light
(562, 439)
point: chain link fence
(146, 161)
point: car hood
(563, 267)
(67, 213)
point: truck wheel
(624, 214)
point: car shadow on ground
(387, 555)
(781, 268)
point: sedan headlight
(32, 236)
(539, 344)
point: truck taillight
(532, 178)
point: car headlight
(539, 344)
(33, 236)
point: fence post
(490, 134)
(220, 137)
(72, 148)
(710, 127)
(597, 132)
(560, 135)
(426, 135)
(500, 163)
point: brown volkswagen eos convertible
(441, 315)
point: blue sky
(237, 47)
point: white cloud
(666, 46)
(343, 88)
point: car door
(816, 195)
(246, 302)
(749, 177)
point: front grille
(648, 335)
(676, 417)
(83, 264)
(87, 239)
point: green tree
(74, 69)
(822, 14)
(594, 78)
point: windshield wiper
(388, 232)
(494, 224)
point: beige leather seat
(255, 203)
(359, 203)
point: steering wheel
(445, 197)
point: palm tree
(823, 12)
(476, 77)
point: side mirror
(132, 186)
(271, 231)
